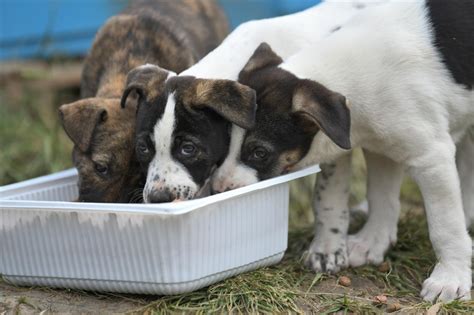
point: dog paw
(326, 262)
(369, 245)
(448, 283)
(326, 259)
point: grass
(289, 287)
(34, 144)
(32, 139)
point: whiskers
(136, 195)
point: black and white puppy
(182, 130)
(183, 125)
(408, 70)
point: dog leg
(328, 252)
(436, 174)
(384, 178)
(465, 164)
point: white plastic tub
(139, 248)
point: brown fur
(172, 34)
(289, 158)
(110, 146)
(148, 81)
(233, 101)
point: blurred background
(66, 28)
(42, 46)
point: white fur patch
(233, 173)
(286, 35)
(164, 171)
(147, 65)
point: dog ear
(234, 101)
(147, 81)
(262, 57)
(320, 108)
(79, 120)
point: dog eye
(143, 148)
(101, 169)
(259, 153)
(188, 149)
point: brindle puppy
(171, 34)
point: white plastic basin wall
(158, 249)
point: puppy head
(183, 134)
(291, 111)
(103, 136)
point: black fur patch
(203, 127)
(200, 106)
(279, 129)
(453, 25)
(210, 133)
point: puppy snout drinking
(161, 195)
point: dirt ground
(311, 299)
(21, 300)
(24, 300)
(329, 295)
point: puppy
(183, 127)
(410, 89)
(173, 34)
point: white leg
(327, 252)
(436, 174)
(465, 164)
(370, 244)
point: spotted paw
(327, 261)
(448, 283)
(370, 245)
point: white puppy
(407, 68)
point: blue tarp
(44, 28)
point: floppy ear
(234, 101)
(262, 57)
(321, 108)
(79, 120)
(147, 81)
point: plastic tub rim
(173, 208)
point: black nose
(158, 196)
